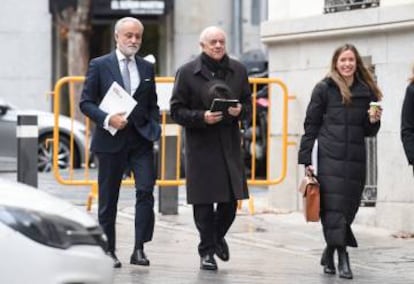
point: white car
(46, 122)
(46, 240)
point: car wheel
(45, 153)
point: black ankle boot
(344, 268)
(327, 260)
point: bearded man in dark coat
(213, 162)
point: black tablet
(223, 104)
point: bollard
(27, 152)
(168, 195)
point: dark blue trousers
(139, 159)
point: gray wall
(25, 53)
(191, 17)
(300, 50)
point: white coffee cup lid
(375, 104)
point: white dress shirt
(134, 77)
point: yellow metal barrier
(70, 179)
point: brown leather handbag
(309, 188)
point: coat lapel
(200, 68)
(142, 74)
(113, 66)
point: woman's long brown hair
(361, 72)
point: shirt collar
(120, 56)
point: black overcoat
(407, 123)
(341, 131)
(214, 165)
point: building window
(332, 6)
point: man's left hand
(212, 117)
(235, 111)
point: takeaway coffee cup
(374, 107)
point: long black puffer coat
(340, 130)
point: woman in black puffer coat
(338, 117)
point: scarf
(218, 68)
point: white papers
(117, 100)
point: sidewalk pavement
(267, 247)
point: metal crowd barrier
(74, 178)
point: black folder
(223, 104)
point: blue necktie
(125, 75)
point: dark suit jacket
(144, 119)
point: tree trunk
(78, 49)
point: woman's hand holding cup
(375, 112)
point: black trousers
(112, 166)
(212, 222)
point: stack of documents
(117, 100)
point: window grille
(369, 194)
(332, 6)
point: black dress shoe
(117, 263)
(208, 262)
(327, 260)
(139, 258)
(222, 250)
